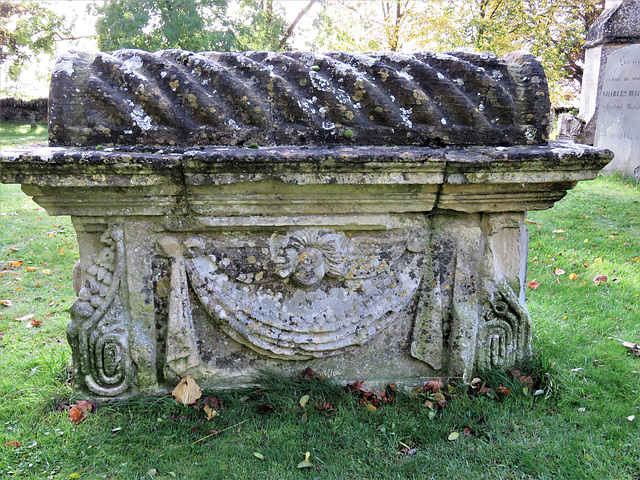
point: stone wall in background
(23, 110)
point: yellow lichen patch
(251, 259)
(259, 276)
(244, 98)
(384, 74)
(258, 109)
(371, 117)
(174, 85)
(420, 96)
(378, 109)
(193, 101)
(303, 82)
(212, 110)
(357, 96)
(348, 115)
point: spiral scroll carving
(175, 97)
(98, 331)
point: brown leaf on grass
(13, 443)
(533, 285)
(6, 303)
(76, 414)
(631, 346)
(559, 271)
(187, 391)
(484, 390)
(600, 279)
(264, 409)
(1, 335)
(504, 391)
(433, 386)
(525, 380)
(308, 373)
(440, 399)
(17, 264)
(325, 407)
(213, 402)
(355, 387)
(467, 432)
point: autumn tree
(389, 25)
(28, 29)
(554, 30)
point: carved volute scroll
(504, 335)
(99, 329)
(175, 97)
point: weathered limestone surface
(174, 97)
(321, 248)
(379, 263)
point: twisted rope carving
(174, 97)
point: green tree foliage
(195, 25)
(26, 30)
(554, 30)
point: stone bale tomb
(359, 214)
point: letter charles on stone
(377, 232)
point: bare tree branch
(289, 31)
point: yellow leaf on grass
(598, 260)
(46, 271)
(209, 412)
(371, 408)
(306, 463)
(258, 455)
(187, 391)
(572, 276)
(31, 269)
(304, 400)
(74, 475)
(453, 436)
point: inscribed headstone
(618, 125)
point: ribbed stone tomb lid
(175, 97)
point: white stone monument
(608, 85)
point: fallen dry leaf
(504, 391)
(533, 285)
(453, 436)
(598, 260)
(76, 414)
(6, 303)
(1, 335)
(559, 271)
(209, 412)
(26, 317)
(13, 443)
(187, 391)
(572, 276)
(306, 463)
(600, 279)
(17, 264)
(631, 346)
(31, 269)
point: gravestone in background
(618, 125)
(617, 28)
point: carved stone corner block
(98, 332)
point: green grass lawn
(584, 425)
(19, 133)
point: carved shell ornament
(312, 254)
(309, 293)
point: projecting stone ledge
(376, 263)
